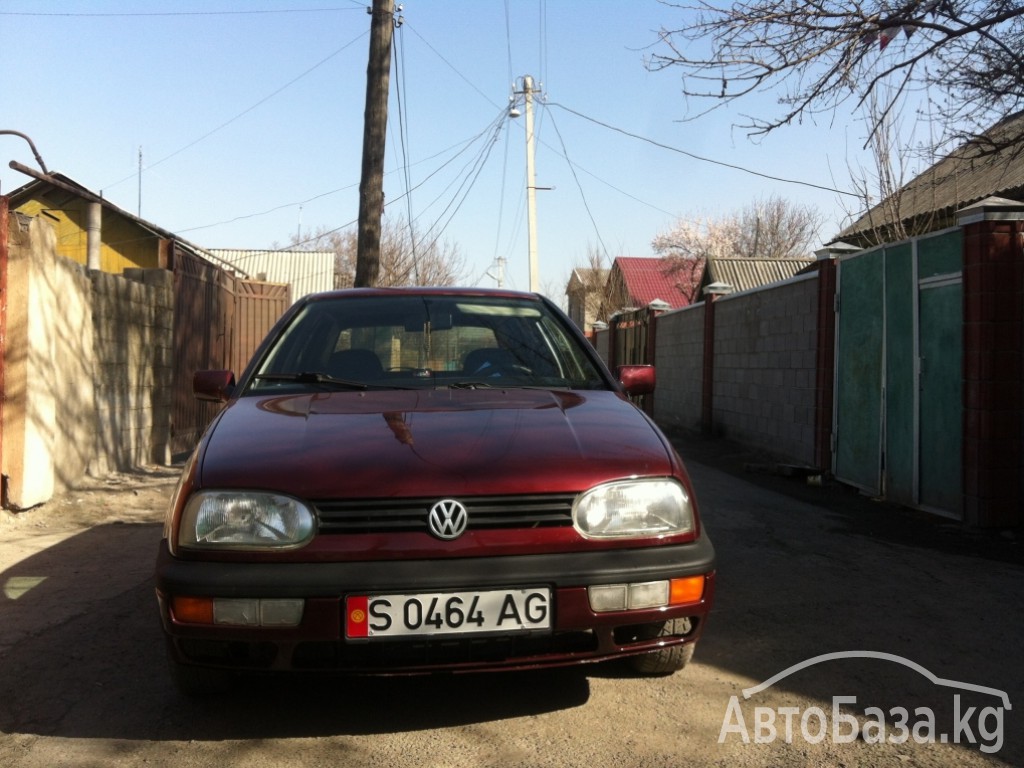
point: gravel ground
(803, 570)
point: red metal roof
(650, 278)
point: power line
(244, 112)
(467, 144)
(128, 14)
(271, 210)
(594, 176)
(573, 164)
(403, 137)
(473, 171)
(579, 187)
(543, 41)
(450, 65)
(501, 196)
(699, 157)
(508, 40)
(464, 144)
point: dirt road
(82, 678)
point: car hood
(430, 442)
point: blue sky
(249, 119)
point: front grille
(341, 516)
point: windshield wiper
(312, 377)
(507, 384)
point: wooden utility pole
(375, 121)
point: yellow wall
(124, 244)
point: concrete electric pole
(531, 180)
(531, 183)
(375, 121)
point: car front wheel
(665, 661)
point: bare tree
(776, 229)
(405, 257)
(767, 229)
(882, 187)
(966, 57)
(590, 288)
(688, 245)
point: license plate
(448, 613)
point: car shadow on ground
(805, 571)
(82, 656)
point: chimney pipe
(94, 229)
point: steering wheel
(494, 370)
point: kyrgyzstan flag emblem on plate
(356, 619)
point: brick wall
(993, 395)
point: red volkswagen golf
(411, 480)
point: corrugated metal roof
(306, 271)
(744, 274)
(965, 176)
(650, 278)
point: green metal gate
(898, 418)
(857, 431)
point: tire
(665, 661)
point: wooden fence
(219, 320)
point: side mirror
(213, 385)
(636, 379)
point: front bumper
(318, 643)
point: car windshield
(400, 342)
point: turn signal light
(239, 613)
(193, 610)
(688, 590)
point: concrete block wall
(764, 377)
(29, 413)
(133, 322)
(88, 368)
(765, 368)
(49, 396)
(71, 337)
(679, 355)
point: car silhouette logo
(448, 519)
(748, 692)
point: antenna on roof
(140, 182)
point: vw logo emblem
(448, 519)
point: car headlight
(245, 520)
(633, 509)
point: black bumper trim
(187, 577)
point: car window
(425, 341)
